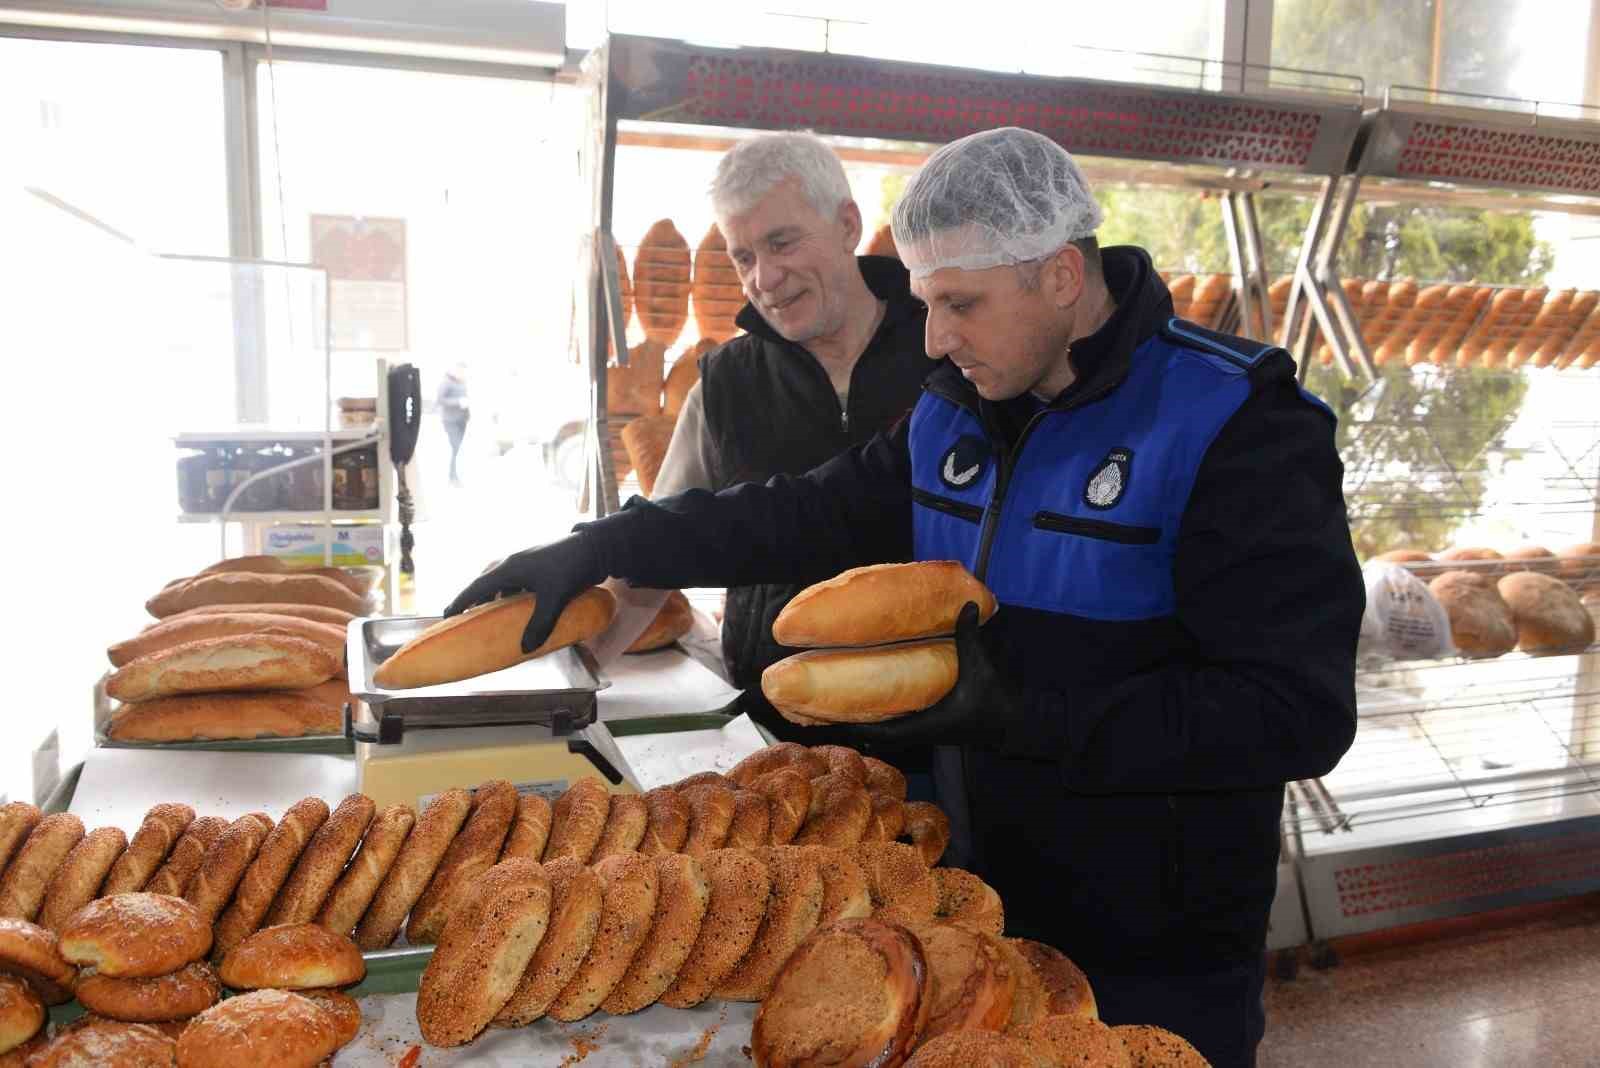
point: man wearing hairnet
(1157, 509)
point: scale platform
(535, 723)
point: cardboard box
(354, 545)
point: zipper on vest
(1096, 528)
(991, 519)
(972, 513)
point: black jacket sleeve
(1270, 598)
(853, 510)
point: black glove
(554, 574)
(982, 710)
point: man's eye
(779, 246)
(961, 307)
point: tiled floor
(1518, 990)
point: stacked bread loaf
(661, 283)
(246, 648)
(873, 638)
(718, 293)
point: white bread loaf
(175, 630)
(315, 612)
(488, 638)
(1548, 614)
(882, 603)
(220, 716)
(861, 685)
(242, 662)
(248, 587)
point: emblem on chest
(1109, 480)
(963, 462)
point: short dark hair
(1028, 273)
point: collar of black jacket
(1101, 360)
(885, 276)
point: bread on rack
(316, 710)
(210, 665)
(177, 630)
(1548, 614)
(249, 587)
(636, 389)
(683, 375)
(862, 685)
(1480, 619)
(673, 621)
(1579, 566)
(661, 282)
(488, 638)
(646, 440)
(718, 293)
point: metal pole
(1294, 312)
(1258, 258)
(1241, 272)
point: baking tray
(326, 744)
(558, 691)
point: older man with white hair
(831, 355)
(1158, 510)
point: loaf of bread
(317, 613)
(646, 440)
(208, 665)
(661, 269)
(316, 710)
(684, 374)
(248, 587)
(881, 243)
(1480, 619)
(881, 603)
(862, 685)
(1579, 566)
(718, 293)
(1548, 614)
(672, 622)
(636, 388)
(177, 630)
(488, 638)
(261, 564)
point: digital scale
(535, 723)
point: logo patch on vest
(1110, 480)
(963, 464)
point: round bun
(929, 830)
(1075, 1040)
(710, 815)
(884, 778)
(17, 1057)
(666, 822)
(854, 992)
(186, 992)
(1531, 558)
(1480, 619)
(486, 944)
(136, 936)
(264, 1027)
(977, 1049)
(971, 986)
(740, 885)
(33, 954)
(793, 910)
(840, 810)
(344, 1010)
(575, 899)
(293, 956)
(966, 899)
(683, 893)
(902, 887)
(107, 1044)
(1580, 565)
(21, 1012)
(628, 903)
(788, 795)
(1549, 616)
(578, 820)
(1066, 988)
(1155, 1047)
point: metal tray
(328, 744)
(556, 691)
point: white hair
(753, 168)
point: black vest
(770, 410)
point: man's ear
(1066, 276)
(850, 219)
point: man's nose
(767, 276)
(937, 339)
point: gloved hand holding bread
(877, 642)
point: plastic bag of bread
(1403, 620)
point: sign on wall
(365, 259)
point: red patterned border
(842, 99)
(1368, 889)
(1442, 151)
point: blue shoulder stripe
(1241, 351)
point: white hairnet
(998, 197)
